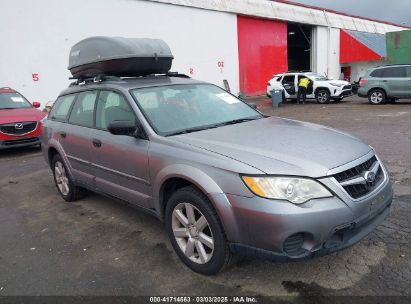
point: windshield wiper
(236, 121)
(190, 130)
(230, 122)
(8, 108)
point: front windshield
(179, 109)
(13, 100)
(317, 77)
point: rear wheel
(65, 185)
(322, 96)
(195, 231)
(377, 96)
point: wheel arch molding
(183, 175)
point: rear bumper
(18, 143)
(362, 92)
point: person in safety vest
(302, 89)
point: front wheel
(322, 96)
(377, 96)
(195, 231)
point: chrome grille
(347, 87)
(362, 179)
(18, 128)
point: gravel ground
(99, 246)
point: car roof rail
(177, 74)
(390, 65)
(101, 77)
(94, 79)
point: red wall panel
(262, 52)
(352, 50)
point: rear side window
(394, 72)
(62, 107)
(408, 68)
(112, 107)
(289, 79)
(376, 73)
(83, 110)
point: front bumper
(342, 94)
(282, 231)
(19, 143)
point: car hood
(281, 146)
(20, 115)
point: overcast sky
(397, 11)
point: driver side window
(111, 107)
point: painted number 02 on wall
(220, 65)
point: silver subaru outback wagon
(225, 179)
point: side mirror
(253, 105)
(36, 104)
(123, 127)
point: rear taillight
(363, 82)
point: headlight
(336, 84)
(293, 189)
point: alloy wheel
(376, 97)
(62, 180)
(322, 97)
(192, 233)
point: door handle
(384, 80)
(63, 134)
(96, 143)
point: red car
(20, 121)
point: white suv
(321, 88)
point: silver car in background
(224, 178)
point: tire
(377, 96)
(209, 239)
(64, 184)
(322, 96)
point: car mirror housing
(123, 127)
(36, 104)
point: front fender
(192, 174)
(207, 185)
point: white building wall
(325, 54)
(358, 69)
(37, 36)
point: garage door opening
(299, 47)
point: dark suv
(386, 84)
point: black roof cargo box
(118, 56)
